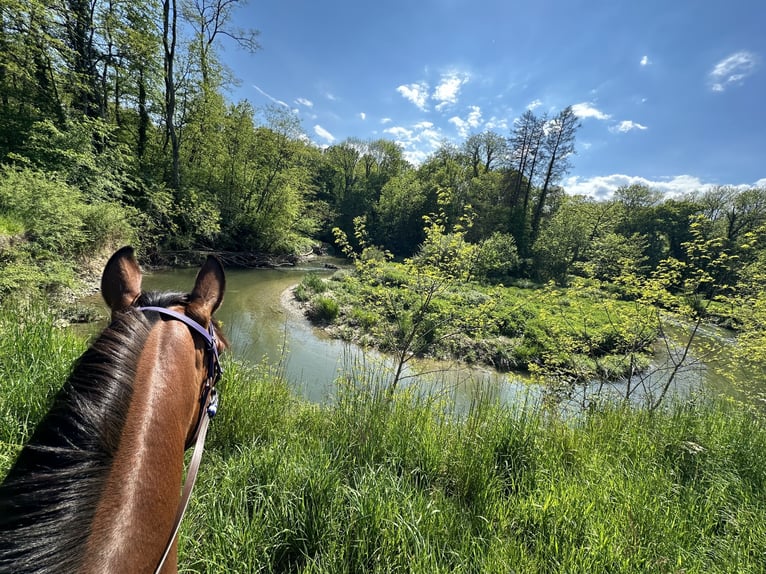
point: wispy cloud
(586, 110)
(495, 123)
(626, 126)
(400, 133)
(362, 116)
(416, 93)
(645, 61)
(446, 93)
(472, 121)
(270, 97)
(417, 141)
(534, 104)
(304, 102)
(385, 121)
(324, 134)
(732, 70)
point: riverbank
(577, 334)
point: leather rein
(207, 409)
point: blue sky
(671, 93)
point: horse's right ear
(121, 281)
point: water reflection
(262, 325)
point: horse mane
(49, 497)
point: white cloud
(385, 121)
(761, 182)
(495, 123)
(401, 134)
(472, 121)
(603, 187)
(446, 93)
(417, 142)
(534, 104)
(272, 98)
(626, 126)
(586, 110)
(323, 133)
(363, 116)
(416, 93)
(305, 102)
(645, 61)
(732, 70)
(474, 117)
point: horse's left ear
(208, 290)
(121, 281)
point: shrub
(497, 257)
(363, 318)
(323, 309)
(314, 283)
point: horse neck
(135, 514)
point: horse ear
(121, 281)
(208, 290)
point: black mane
(49, 497)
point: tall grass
(368, 484)
(35, 359)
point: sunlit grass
(368, 484)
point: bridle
(208, 405)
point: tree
(170, 39)
(29, 90)
(558, 146)
(527, 154)
(399, 214)
(265, 182)
(565, 238)
(210, 20)
(637, 197)
(485, 151)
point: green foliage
(497, 257)
(323, 309)
(10, 226)
(614, 254)
(399, 211)
(59, 226)
(50, 209)
(311, 284)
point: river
(260, 327)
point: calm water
(261, 327)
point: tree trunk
(169, 37)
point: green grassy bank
(364, 484)
(586, 331)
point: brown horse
(97, 487)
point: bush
(50, 210)
(60, 227)
(314, 283)
(323, 309)
(497, 257)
